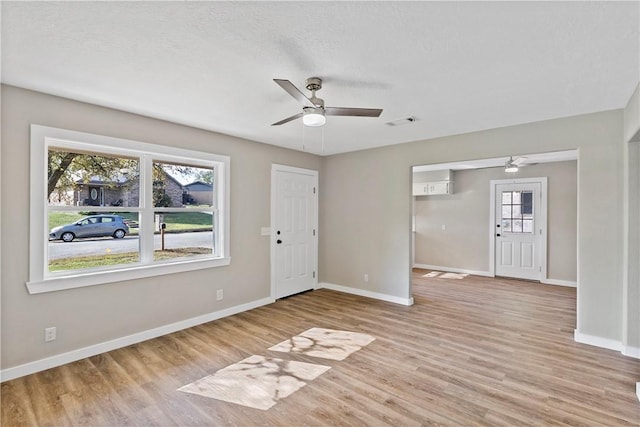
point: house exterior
(199, 193)
(100, 192)
(167, 192)
(124, 192)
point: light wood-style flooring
(475, 351)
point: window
(517, 211)
(105, 209)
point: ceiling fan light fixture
(510, 166)
(313, 116)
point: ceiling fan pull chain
(303, 134)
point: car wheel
(119, 234)
(67, 237)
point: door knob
(278, 241)
(498, 235)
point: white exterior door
(520, 217)
(293, 230)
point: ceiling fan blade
(361, 112)
(294, 91)
(519, 161)
(287, 120)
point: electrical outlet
(50, 334)
(366, 277)
(219, 295)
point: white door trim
(542, 221)
(272, 241)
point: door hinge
(314, 274)
(314, 190)
(540, 269)
(314, 231)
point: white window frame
(43, 137)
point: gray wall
(365, 222)
(632, 116)
(631, 307)
(95, 314)
(464, 243)
(365, 214)
(631, 270)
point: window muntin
(47, 143)
(517, 211)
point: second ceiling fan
(313, 111)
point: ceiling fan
(313, 110)
(512, 164)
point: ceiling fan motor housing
(314, 83)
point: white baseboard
(597, 341)
(488, 274)
(559, 282)
(631, 351)
(365, 293)
(638, 390)
(453, 270)
(92, 350)
(607, 343)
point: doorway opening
(453, 229)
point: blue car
(91, 226)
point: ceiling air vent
(400, 122)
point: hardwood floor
(475, 351)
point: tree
(161, 199)
(189, 173)
(65, 169)
(204, 176)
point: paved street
(99, 246)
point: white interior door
(293, 230)
(519, 230)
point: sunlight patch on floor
(442, 275)
(257, 382)
(260, 382)
(324, 343)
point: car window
(107, 219)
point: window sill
(60, 283)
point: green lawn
(187, 221)
(78, 263)
(176, 221)
(61, 218)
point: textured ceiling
(457, 67)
